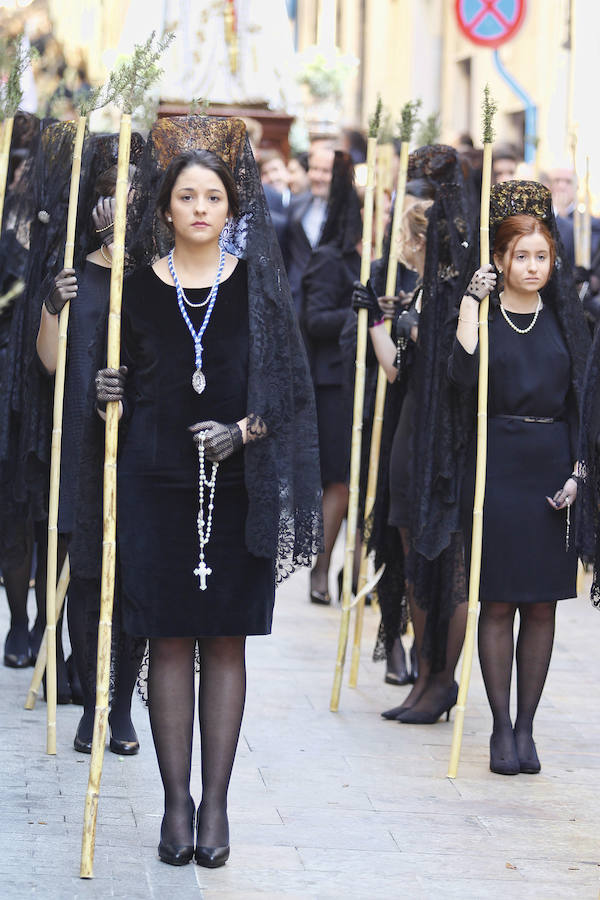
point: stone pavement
(323, 805)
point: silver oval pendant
(198, 381)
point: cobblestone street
(321, 804)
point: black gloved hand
(64, 290)
(482, 282)
(406, 321)
(220, 441)
(103, 216)
(364, 297)
(110, 386)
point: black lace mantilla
(282, 471)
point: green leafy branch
(375, 120)
(489, 107)
(128, 84)
(14, 59)
(409, 117)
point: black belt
(539, 420)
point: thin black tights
(221, 705)
(496, 650)
(16, 582)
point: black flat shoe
(175, 855)
(211, 857)
(16, 648)
(430, 716)
(505, 762)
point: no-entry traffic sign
(490, 23)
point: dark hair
(106, 183)
(302, 159)
(206, 159)
(514, 227)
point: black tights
(171, 702)
(83, 594)
(496, 650)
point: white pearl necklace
(533, 321)
(202, 570)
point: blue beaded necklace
(198, 378)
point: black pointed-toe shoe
(211, 857)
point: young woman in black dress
(537, 342)
(206, 580)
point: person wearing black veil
(326, 297)
(87, 288)
(16, 540)
(219, 490)
(418, 490)
(26, 398)
(538, 341)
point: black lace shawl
(282, 470)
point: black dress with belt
(525, 557)
(158, 467)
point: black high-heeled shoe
(430, 716)
(505, 762)
(121, 747)
(396, 671)
(209, 857)
(529, 762)
(175, 855)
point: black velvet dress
(158, 468)
(524, 558)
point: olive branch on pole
(14, 60)
(357, 418)
(126, 88)
(489, 109)
(408, 120)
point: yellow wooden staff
(357, 419)
(409, 118)
(57, 415)
(489, 108)
(127, 87)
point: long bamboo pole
(59, 393)
(40, 663)
(390, 290)
(7, 129)
(480, 474)
(109, 544)
(357, 421)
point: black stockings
(84, 594)
(221, 705)
(496, 650)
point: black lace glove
(64, 290)
(366, 298)
(406, 321)
(103, 216)
(482, 282)
(220, 441)
(581, 274)
(110, 386)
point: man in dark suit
(307, 215)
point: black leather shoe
(211, 857)
(430, 716)
(82, 746)
(124, 748)
(529, 761)
(173, 855)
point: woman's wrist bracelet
(106, 227)
(468, 322)
(578, 479)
